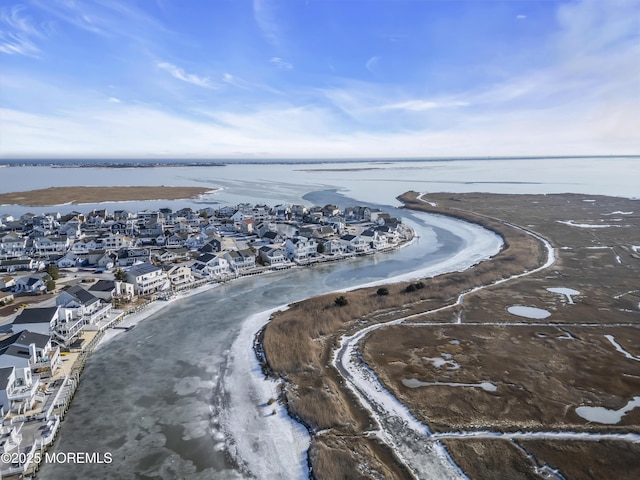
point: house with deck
(32, 350)
(147, 278)
(241, 260)
(210, 265)
(272, 256)
(18, 389)
(301, 248)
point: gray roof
(143, 268)
(27, 338)
(83, 296)
(206, 258)
(36, 315)
(103, 286)
(5, 372)
(16, 351)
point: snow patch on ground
(567, 292)
(620, 348)
(584, 225)
(440, 362)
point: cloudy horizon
(319, 79)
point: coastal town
(67, 278)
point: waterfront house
(272, 256)
(210, 265)
(30, 349)
(334, 247)
(374, 239)
(41, 320)
(241, 260)
(103, 289)
(301, 248)
(18, 389)
(147, 278)
(355, 243)
(179, 275)
(83, 305)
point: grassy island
(78, 195)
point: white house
(83, 305)
(335, 247)
(38, 320)
(51, 245)
(374, 238)
(355, 243)
(240, 260)
(179, 275)
(32, 284)
(301, 248)
(18, 389)
(211, 265)
(12, 245)
(7, 282)
(33, 350)
(272, 255)
(116, 241)
(147, 278)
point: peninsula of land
(79, 195)
(523, 366)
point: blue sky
(319, 78)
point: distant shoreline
(221, 162)
(79, 195)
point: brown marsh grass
(298, 343)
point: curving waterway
(153, 397)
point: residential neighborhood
(66, 278)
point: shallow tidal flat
(79, 195)
(583, 352)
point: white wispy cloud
(423, 105)
(113, 100)
(372, 64)
(264, 14)
(18, 32)
(281, 64)
(191, 78)
(521, 17)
